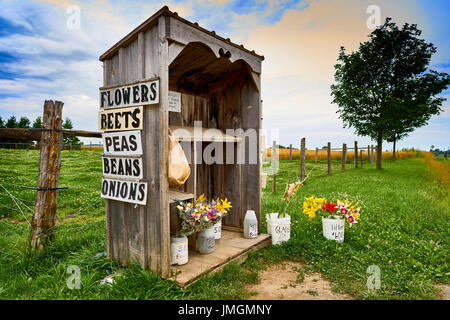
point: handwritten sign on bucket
(333, 229)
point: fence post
(344, 156)
(44, 216)
(317, 155)
(361, 152)
(302, 159)
(372, 158)
(356, 154)
(375, 153)
(329, 158)
(290, 152)
(274, 166)
(368, 154)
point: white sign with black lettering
(122, 167)
(127, 191)
(120, 119)
(174, 101)
(122, 143)
(141, 93)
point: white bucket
(333, 229)
(218, 230)
(179, 250)
(269, 218)
(280, 229)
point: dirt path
(289, 282)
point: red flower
(329, 207)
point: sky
(47, 53)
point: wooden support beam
(317, 155)
(35, 134)
(368, 155)
(356, 154)
(44, 216)
(290, 152)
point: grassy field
(404, 231)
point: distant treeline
(25, 123)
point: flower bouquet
(201, 216)
(333, 215)
(279, 224)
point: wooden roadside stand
(172, 73)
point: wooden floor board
(231, 247)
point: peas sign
(121, 119)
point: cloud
(299, 39)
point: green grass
(404, 231)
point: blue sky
(41, 58)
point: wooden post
(274, 167)
(372, 158)
(290, 152)
(317, 155)
(302, 159)
(329, 158)
(375, 153)
(44, 216)
(368, 154)
(356, 154)
(344, 156)
(361, 152)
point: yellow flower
(225, 205)
(201, 199)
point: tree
(68, 125)
(11, 123)
(384, 90)
(2, 123)
(37, 123)
(24, 122)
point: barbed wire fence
(24, 205)
(30, 172)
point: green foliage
(68, 125)
(404, 230)
(2, 122)
(11, 123)
(384, 89)
(37, 123)
(24, 122)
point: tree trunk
(379, 149)
(393, 155)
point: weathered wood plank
(44, 216)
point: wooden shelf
(179, 195)
(205, 134)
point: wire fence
(19, 172)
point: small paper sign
(174, 101)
